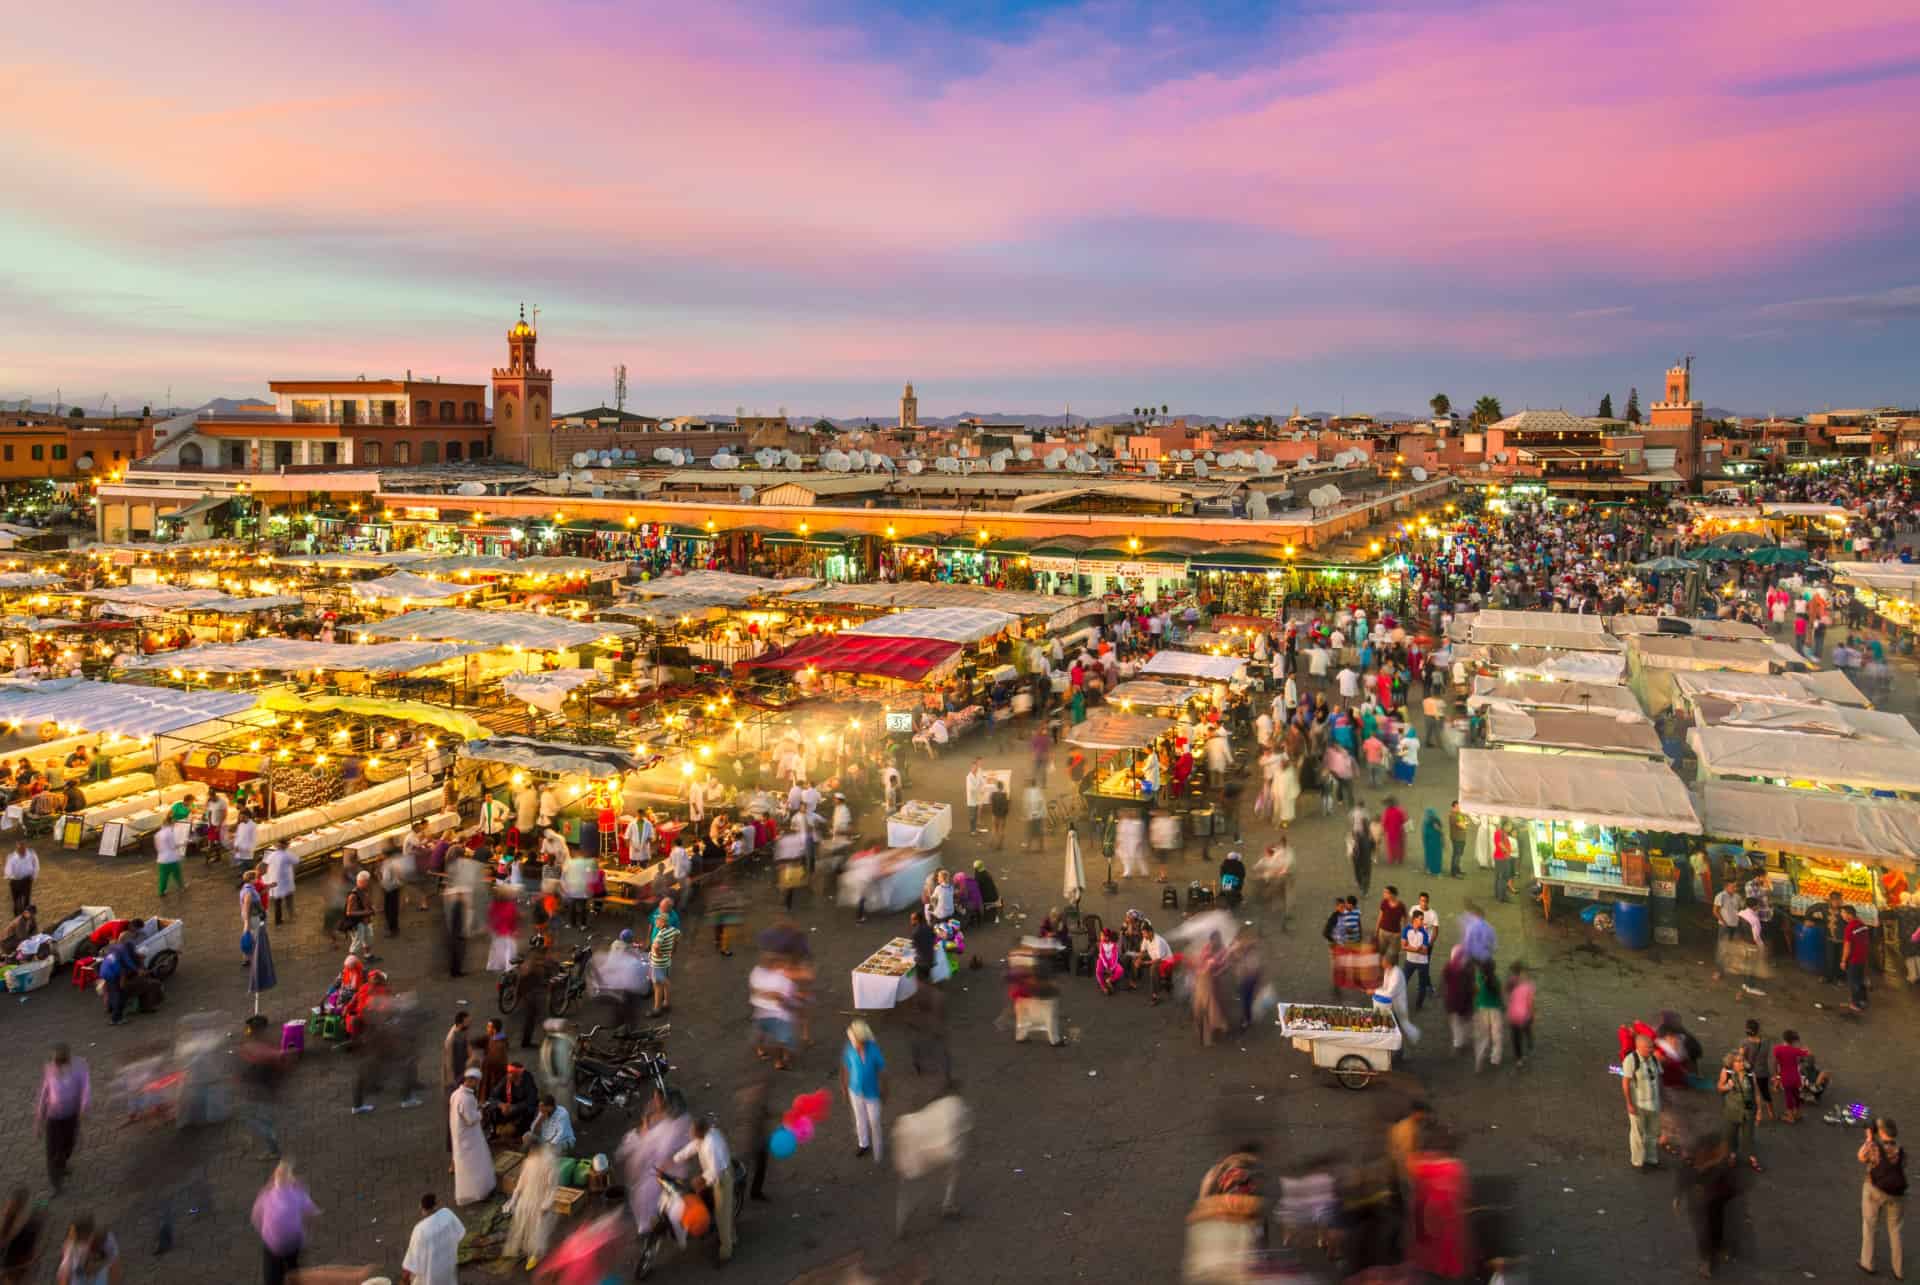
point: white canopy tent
(1526, 693)
(287, 655)
(1545, 663)
(548, 689)
(123, 708)
(555, 757)
(1107, 731)
(1761, 715)
(1819, 687)
(1060, 611)
(948, 624)
(1187, 664)
(1559, 630)
(1633, 794)
(526, 630)
(1811, 822)
(1830, 761)
(353, 561)
(30, 580)
(719, 586)
(404, 586)
(1563, 730)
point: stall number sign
(899, 721)
(1052, 564)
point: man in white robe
(433, 1251)
(473, 1176)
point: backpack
(1888, 1173)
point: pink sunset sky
(1222, 207)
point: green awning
(1236, 559)
(812, 540)
(1059, 546)
(1012, 545)
(926, 540)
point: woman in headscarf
(1433, 840)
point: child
(1375, 751)
(1520, 1012)
(1106, 963)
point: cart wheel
(1353, 1071)
(510, 994)
(588, 1108)
(560, 1000)
(163, 964)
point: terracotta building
(65, 448)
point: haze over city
(1224, 208)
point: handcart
(70, 934)
(159, 953)
(1355, 1044)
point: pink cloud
(1523, 137)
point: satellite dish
(580, 459)
(1419, 474)
(1257, 505)
(885, 462)
(746, 495)
(471, 488)
(998, 464)
(946, 464)
(722, 460)
(84, 462)
(766, 457)
(662, 455)
(1200, 468)
(1263, 462)
(566, 477)
(584, 475)
(1208, 456)
(606, 459)
(1299, 436)
(1499, 457)
(1186, 455)
(791, 462)
(1153, 468)
(1026, 455)
(914, 467)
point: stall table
(885, 977)
(920, 825)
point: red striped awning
(908, 659)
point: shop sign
(1052, 564)
(899, 722)
(1131, 570)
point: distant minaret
(909, 409)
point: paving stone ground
(1084, 1158)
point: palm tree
(1487, 411)
(1163, 408)
(1441, 404)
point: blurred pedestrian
(1883, 1196)
(928, 1144)
(864, 1070)
(433, 1247)
(66, 1092)
(280, 1214)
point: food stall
(1583, 824)
(1121, 744)
(885, 978)
(1355, 1044)
(1821, 843)
(1194, 667)
(1161, 700)
(1561, 731)
(1850, 765)
(920, 825)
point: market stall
(1804, 761)
(1194, 667)
(885, 978)
(1582, 823)
(920, 825)
(1820, 843)
(1562, 731)
(1121, 744)
(1163, 700)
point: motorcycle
(568, 983)
(598, 1084)
(674, 1193)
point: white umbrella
(1076, 875)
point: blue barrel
(1810, 946)
(1632, 924)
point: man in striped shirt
(660, 956)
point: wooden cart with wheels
(1354, 1044)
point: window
(236, 454)
(370, 452)
(116, 456)
(349, 412)
(389, 412)
(476, 450)
(190, 455)
(453, 452)
(59, 450)
(39, 451)
(422, 411)
(9, 455)
(283, 454)
(446, 412)
(470, 412)
(329, 452)
(308, 411)
(429, 452)
(402, 453)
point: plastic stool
(293, 1037)
(1198, 895)
(86, 971)
(329, 1026)
(1170, 898)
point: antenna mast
(619, 385)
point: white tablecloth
(374, 844)
(872, 990)
(927, 834)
